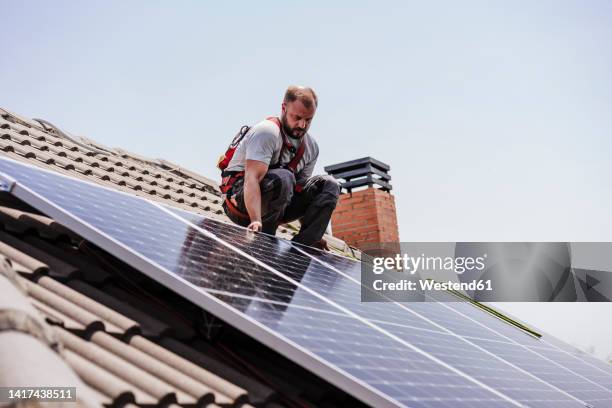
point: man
(271, 178)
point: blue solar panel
(439, 313)
(355, 356)
(588, 359)
(473, 359)
(583, 379)
(555, 371)
(305, 270)
(417, 355)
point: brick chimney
(365, 215)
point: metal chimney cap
(366, 171)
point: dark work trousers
(313, 206)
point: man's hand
(255, 226)
(253, 174)
(322, 244)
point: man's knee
(329, 192)
(287, 178)
(279, 181)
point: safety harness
(228, 178)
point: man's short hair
(305, 94)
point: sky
(493, 115)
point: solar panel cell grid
(558, 368)
(417, 354)
(581, 367)
(334, 338)
(283, 257)
(555, 372)
(438, 313)
(345, 292)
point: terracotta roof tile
(117, 179)
(179, 327)
(83, 169)
(112, 386)
(27, 263)
(64, 164)
(225, 391)
(78, 266)
(21, 150)
(111, 318)
(58, 265)
(126, 370)
(56, 317)
(25, 221)
(17, 138)
(148, 324)
(39, 144)
(52, 300)
(258, 392)
(188, 385)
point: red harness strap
(292, 165)
(296, 159)
(228, 181)
(226, 185)
(234, 210)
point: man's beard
(289, 131)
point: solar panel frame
(297, 353)
(17, 190)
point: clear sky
(494, 115)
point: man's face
(296, 118)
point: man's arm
(259, 151)
(254, 172)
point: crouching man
(269, 179)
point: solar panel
(584, 378)
(307, 306)
(572, 350)
(350, 354)
(508, 375)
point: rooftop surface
(40, 143)
(71, 313)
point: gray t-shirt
(263, 142)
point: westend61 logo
(487, 272)
(413, 264)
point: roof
(40, 143)
(71, 313)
